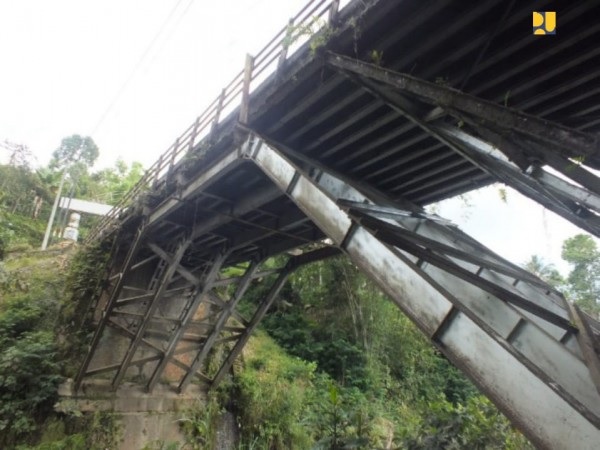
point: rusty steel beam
(165, 278)
(128, 262)
(484, 156)
(569, 142)
(292, 264)
(219, 325)
(187, 316)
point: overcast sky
(516, 228)
(134, 74)
(64, 62)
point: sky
(134, 74)
(65, 61)
(515, 229)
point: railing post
(157, 173)
(194, 133)
(286, 43)
(334, 9)
(173, 155)
(244, 107)
(215, 121)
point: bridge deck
(318, 113)
(322, 114)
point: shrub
(28, 380)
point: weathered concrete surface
(139, 430)
(96, 395)
(228, 433)
(144, 419)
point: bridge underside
(170, 310)
(335, 155)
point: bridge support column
(509, 332)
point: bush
(29, 366)
(271, 395)
(6, 235)
(476, 424)
(86, 271)
(28, 380)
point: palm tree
(547, 272)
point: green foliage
(376, 57)
(28, 380)
(6, 236)
(474, 425)
(18, 187)
(29, 371)
(18, 231)
(283, 403)
(83, 282)
(161, 445)
(29, 363)
(503, 194)
(316, 29)
(376, 376)
(75, 149)
(105, 186)
(200, 424)
(582, 253)
(335, 355)
(93, 431)
(110, 185)
(103, 430)
(86, 272)
(71, 442)
(343, 420)
(546, 272)
(271, 395)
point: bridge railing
(312, 18)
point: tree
(20, 155)
(582, 253)
(110, 185)
(75, 155)
(547, 272)
(75, 149)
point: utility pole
(54, 208)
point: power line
(138, 64)
(173, 28)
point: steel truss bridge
(332, 141)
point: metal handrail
(275, 49)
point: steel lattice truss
(171, 303)
(181, 313)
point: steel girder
(564, 141)
(512, 335)
(154, 300)
(512, 146)
(494, 320)
(157, 339)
